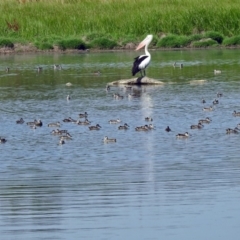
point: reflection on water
(147, 185)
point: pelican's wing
(136, 63)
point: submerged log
(136, 81)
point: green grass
(107, 24)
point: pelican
(141, 62)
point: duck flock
(82, 119)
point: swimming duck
(68, 97)
(203, 101)
(59, 132)
(107, 140)
(215, 101)
(235, 114)
(183, 135)
(20, 121)
(217, 71)
(208, 109)
(31, 123)
(86, 122)
(142, 128)
(66, 137)
(38, 123)
(57, 67)
(219, 94)
(124, 127)
(2, 140)
(150, 126)
(114, 121)
(117, 96)
(69, 120)
(61, 142)
(149, 119)
(97, 127)
(168, 129)
(229, 130)
(83, 115)
(198, 126)
(107, 88)
(206, 120)
(56, 124)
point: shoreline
(22, 49)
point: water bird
(217, 71)
(57, 67)
(117, 96)
(107, 88)
(123, 127)
(86, 122)
(59, 132)
(61, 142)
(141, 62)
(149, 119)
(7, 69)
(230, 130)
(168, 129)
(142, 128)
(219, 94)
(114, 121)
(68, 97)
(183, 135)
(206, 120)
(215, 102)
(208, 109)
(20, 121)
(83, 115)
(198, 126)
(69, 119)
(203, 101)
(66, 137)
(55, 124)
(39, 69)
(3, 140)
(38, 123)
(236, 114)
(180, 65)
(107, 140)
(97, 127)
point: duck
(38, 123)
(114, 121)
(219, 94)
(230, 130)
(3, 140)
(86, 122)
(142, 128)
(208, 109)
(39, 69)
(123, 127)
(83, 115)
(217, 71)
(97, 127)
(107, 140)
(215, 102)
(32, 123)
(168, 129)
(61, 142)
(67, 136)
(57, 67)
(59, 132)
(20, 121)
(203, 101)
(149, 119)
(183, 135)
(206, 120)
(68, 97)
(56, 124)
(69, 119)
(150, 126)
(236, 114)
(107, 88)
(117, 96)
(198, 126)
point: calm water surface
(147, 185)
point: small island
(136, 81)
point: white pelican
(142, 61)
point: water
(147, 185)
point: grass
(111, 23)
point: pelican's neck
(146, 50)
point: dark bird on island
(141, 62)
